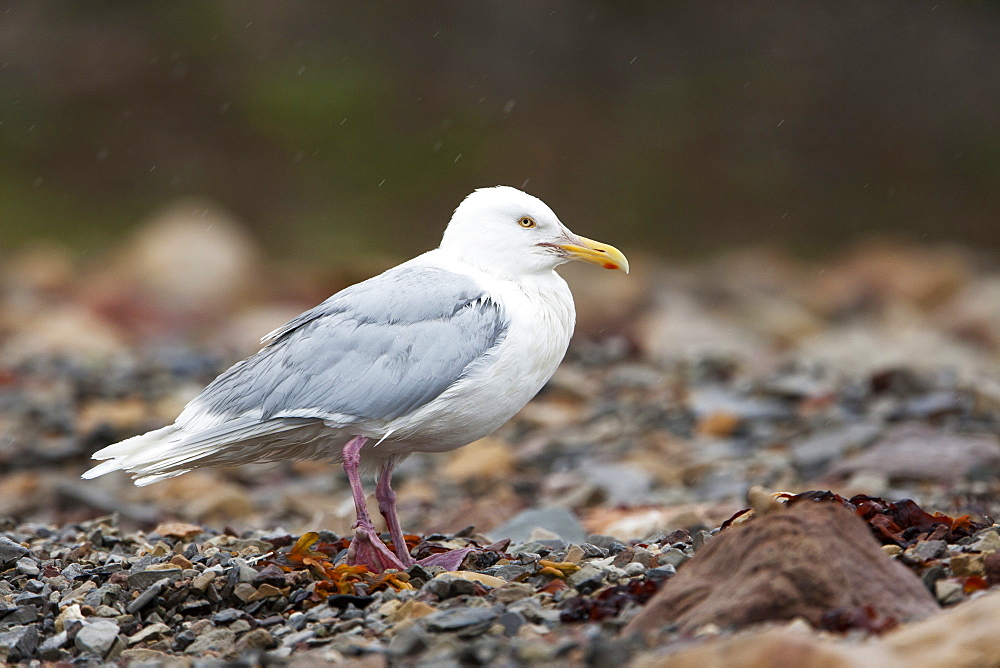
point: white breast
(542, 317)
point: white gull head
(510, 234)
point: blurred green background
(334, 127)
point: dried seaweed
(901, 523)
(610, 602)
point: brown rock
(968, 564)
(802, 562)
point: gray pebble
(222, 641)
(97, 637)
(672, 557)
(512, 621)
(634, 568)
(146, 597)
(23, 614)
(10, 551)
(925, 550)
(145, 579)
(468, 620)
(51, 649)
(28, 566)
(19, 643)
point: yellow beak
(597, 253)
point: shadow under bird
(426, 357)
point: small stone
(69, 614)
(644, 557)
(626, 556)
(925, 550)
(591, 551)
(247, 573)
(244, 591)
(947, 591)
(574, 554)
(586, 574)
(892, 550)
(257, 639)
(150, 632)
(227, 616)
(263, 591)
(481, 578)
(932, 575)
(672, 557)
(23, 614)
(181, 562)
(145, 656)
(513, 591)
(412, 609)
(511, 621)
(635, 568)
(699, 539)
(28, 566)
(97, 637)
(19, 643)
(10, 551)
(616, 548)
(222, 641)
(51, 649)
(147, 597)
(145, 579)
(201, 582)
(239, 626)
(469, 621)
(964, 565)
(988, 541)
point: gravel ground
(872, 377)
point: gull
(428, 356)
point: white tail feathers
(171, 451)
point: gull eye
(527, 222)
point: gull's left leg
(366, 549)
(387, 506)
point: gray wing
(376, 350)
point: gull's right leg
(366, 549)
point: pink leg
(387, 506)
(366, 549)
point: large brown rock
(799, 562)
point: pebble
(146, 597)
(151, 632)
(10, 551)
(471, 621)
(222, 641)
(97, 637)
(28, 566)
(145, 579)
(948, 591)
